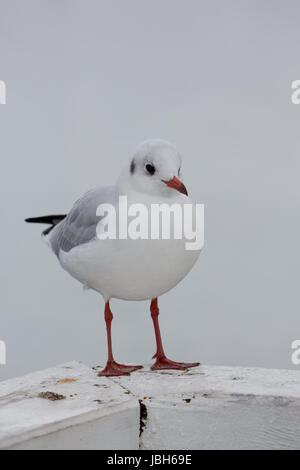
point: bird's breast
(130, 269)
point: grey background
(87, 81)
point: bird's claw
(165, 363)
(112, 368)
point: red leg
(161, 360)
(112, 368)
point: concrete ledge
(205, 408)
(219, 408)
(82, 411)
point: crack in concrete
(143, 408)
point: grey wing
(80, 225)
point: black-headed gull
(129, 269)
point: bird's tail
(47, 219)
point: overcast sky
(87, 80)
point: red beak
(175, 183)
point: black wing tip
(38, 220)
(47, 219)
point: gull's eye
(150, 168)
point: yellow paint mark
(66, 381)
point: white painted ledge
(205, 408)
(96, 413)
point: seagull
(127, 269)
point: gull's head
(155, 169)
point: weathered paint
(207, 407)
